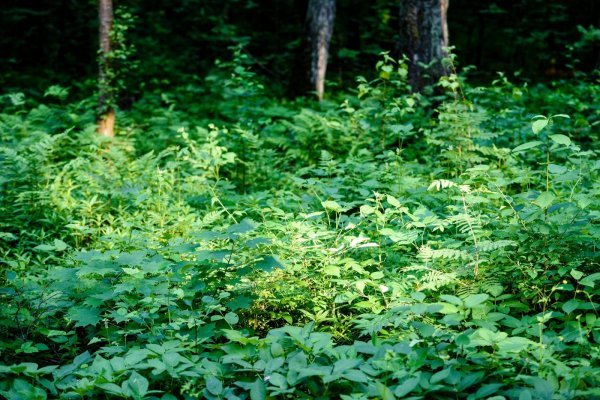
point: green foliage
(228, 244)
(118, 64)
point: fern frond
(486, 246)
(426, 253)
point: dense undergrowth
(227, 244)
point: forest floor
(379, 244)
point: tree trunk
(106, 112)
(319, 20)
(424, 37)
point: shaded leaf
(475, 299)
(258, 391)
(269, 263)
(544, 200)
(84, 316)
(527, 146)
(138, 385)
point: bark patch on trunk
(319, 20)
(424, 37)
(106, 112)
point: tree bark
(106, 112)
(319, 20)
(424, 38)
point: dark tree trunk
(106, 112)
(319, 21)
(424, 37)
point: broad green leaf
(421, 308)
(557, 169)
(206, 331)
(110, 387)
(406, 387)
(452, 299)
(355, 375)
(29, 348)
(332, 205)
(214, 385)
(486, 390)
(138, 385)
(297, 362)
(274, 364)
(545, 199)
(486, 337)
(475, 299)
(133, 271)
(258, 391)
(245, 226)
(590, 280)
(239, 302)
(59, 245)
(462, 340)
(446, 308)
(384, 392)
(525, 394)
(366, 209)
(481, 167)
(269, 263)
(401, 237)
(231, 318)
(560, 139)
(360, 285)
(277, 350)
(469, 380)
(377, 275)
(393, 201)
(527, 146)
(233, 335)
(440, 376)
(426, 330)
(543, 389)
(331, 270)
(418, 296)
(132, 259)
(135, 356)
(571, 306)
(44, 247)
(85, 357)
(539, 124)
(514, 344)
(84, 316)
(576, 274)
(345, 364)
(279, 380)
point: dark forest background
(48, 41)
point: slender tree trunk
(106, 112)
(319, 20)
(424, 37)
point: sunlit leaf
(539, 124)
